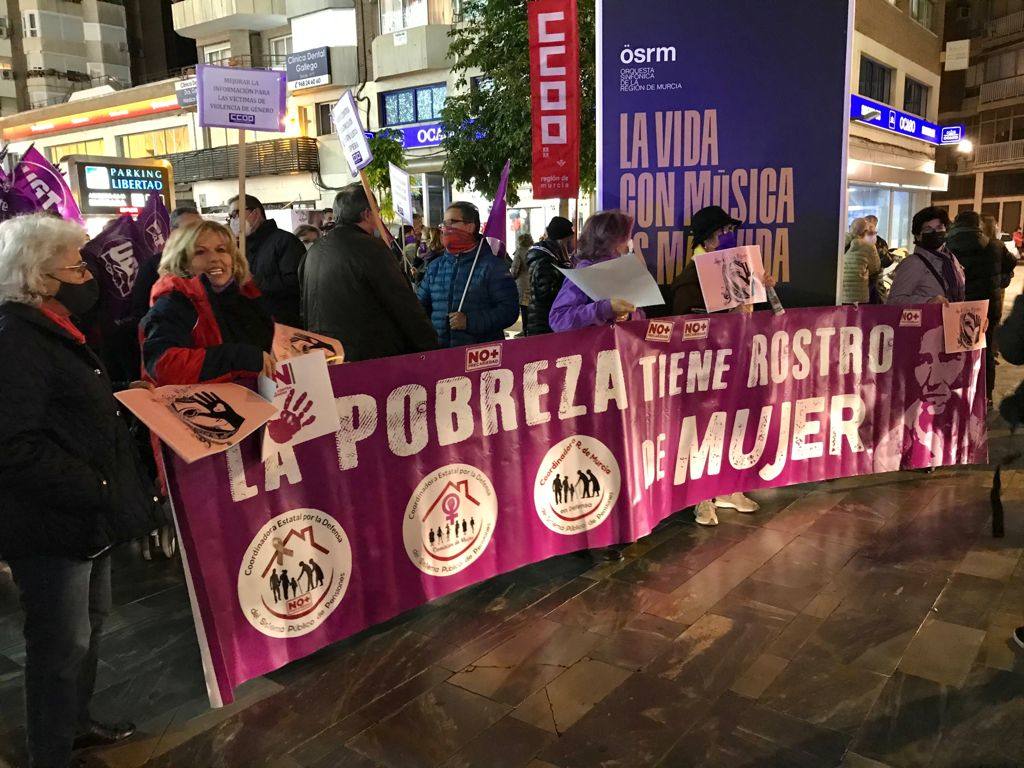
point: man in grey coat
(931, 273)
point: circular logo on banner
(450, 519)
(577, 485)
(295, 573)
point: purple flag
(37, 180)
(115, 256)
(155, 223)
(494, 230)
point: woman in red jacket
(205, 323)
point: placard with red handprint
(199, 420)
(301, 390)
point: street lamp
(965, 147)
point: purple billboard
(732, 103)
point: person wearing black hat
(544, 259)
(713, 230)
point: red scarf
(64, 322)
(457, 241)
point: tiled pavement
(855, 623)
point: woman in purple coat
(606, 235)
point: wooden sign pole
(243, 211)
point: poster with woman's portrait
(731, 277)
(963, 325)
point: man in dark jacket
(544, 259)
(274, 257)
(982, 261)
(353, 288)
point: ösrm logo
(652, 55)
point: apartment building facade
(51, 49)
(896, 62)
(988, 98)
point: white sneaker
(737, 501)
(705, 513)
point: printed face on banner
(301, 390)
(450, 519)
(292, 342)
(577, 485)
(964, 324)
(937, 371)
(295, 573)
(199, 420)
(731, 277)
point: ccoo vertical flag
(555, 95)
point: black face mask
(931, 240)
(78, 298)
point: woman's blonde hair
(181, 247)
(859, 227)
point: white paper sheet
(623, 278)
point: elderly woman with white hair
(71, 483)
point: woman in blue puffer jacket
(491, 301)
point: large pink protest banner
(461, 464)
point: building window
(413, 105)
(59, 151)
(915, 97)
(875, 80)
(923, 12)
(156, 143)
(402, 14)
(280, 47)
(31, 23)
(481, 83)
(324, 118)
(218, 53)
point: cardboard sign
(351, 134)
(731, 277)
(963, 326)
(301, 391)
(292, 342)
(245, 99)
(401, 193)
(199, 420)
(625, 277)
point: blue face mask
(726, 240)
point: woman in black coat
(71, 483)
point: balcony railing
(997, 154)
(263, 158)
(1009, 88)
(1006, 25)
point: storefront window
(402, 14)
(869, 201)
(156, 143)
(58, 151)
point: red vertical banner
(555, 92)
